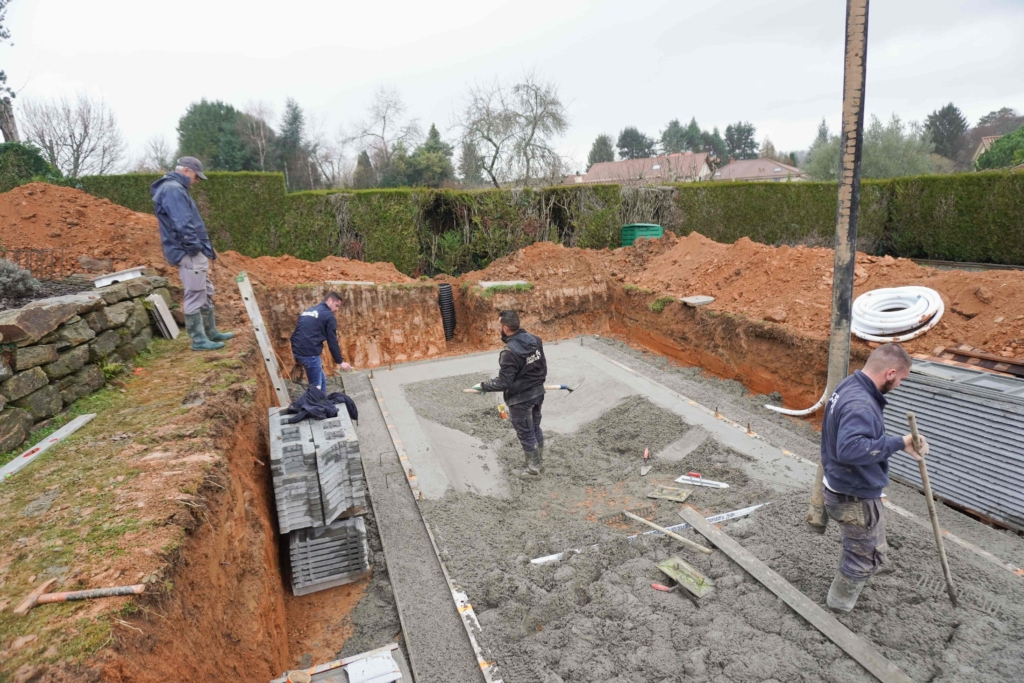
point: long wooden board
(253, 309)
(855, 646)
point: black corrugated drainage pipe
(447, 304)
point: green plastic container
(631, 233)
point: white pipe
(798, 413)
(882, 314)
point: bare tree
(513, 129)
(386, 127)
(329, 156)
(157, 156)
(255, 130)
(80, 137)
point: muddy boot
(210, 326)
(540, 457)
(532, 469)
(200, 342)
(843, 594)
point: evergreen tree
(714, 145)
(470, 165)
(364, 178)
(1006, 151)
(600, 151)
(673, 138)
(633, 144)
(947, 127)
(694, 137)
(740, 140)
(209, 131)
(293, 149)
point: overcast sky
(776, 63)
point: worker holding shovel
(521, 377)
(855, 452)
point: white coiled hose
(881, 314)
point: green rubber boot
(210, 326)
(200, 342)
(843, 594)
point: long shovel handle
(685, 541)
(936, 529)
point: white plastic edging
(31, 454)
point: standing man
(317, 325)
(855, 452)
(521, 377)
(186, 245)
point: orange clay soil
(790, 286)
(45, 216)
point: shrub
(22, 163)
(658, 305)
(16, 282)
(1004, 152)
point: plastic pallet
(329, 556)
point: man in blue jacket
(186, 245)
(855, 452)
(317, 325)
(523, 370)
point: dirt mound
(545, 263)
(45, 216)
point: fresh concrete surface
(444, 458)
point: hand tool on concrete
(619, 517)
(646, 467)
(40, 597)
(670, 493)
(695, 479)
(685, 541)
(936, 529)
(674, 589)
(687, 576)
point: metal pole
(850, 143)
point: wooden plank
(253, 309)
(855, 646)
(32, 453)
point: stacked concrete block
(329, 556)
(318, 480)
(54, 350)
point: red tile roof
(757, 169)
(668, 167)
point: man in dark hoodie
(317, 325)
(187, 246)
(521, 377)
(855, 452)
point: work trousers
(194, 272)
(525, 418)
(862, 527)
(314, 371)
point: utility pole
(850, 143)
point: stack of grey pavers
(320, 490)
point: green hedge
(775, 213)
(965, 217)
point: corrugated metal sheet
(974, 423)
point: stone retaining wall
(54, 350)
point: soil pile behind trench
(594, 616)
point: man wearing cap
(186, 245)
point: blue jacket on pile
(316, 325)
(855, 450)
(182, 231)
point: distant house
(983, 146)
(671, 168)
(759, 169)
